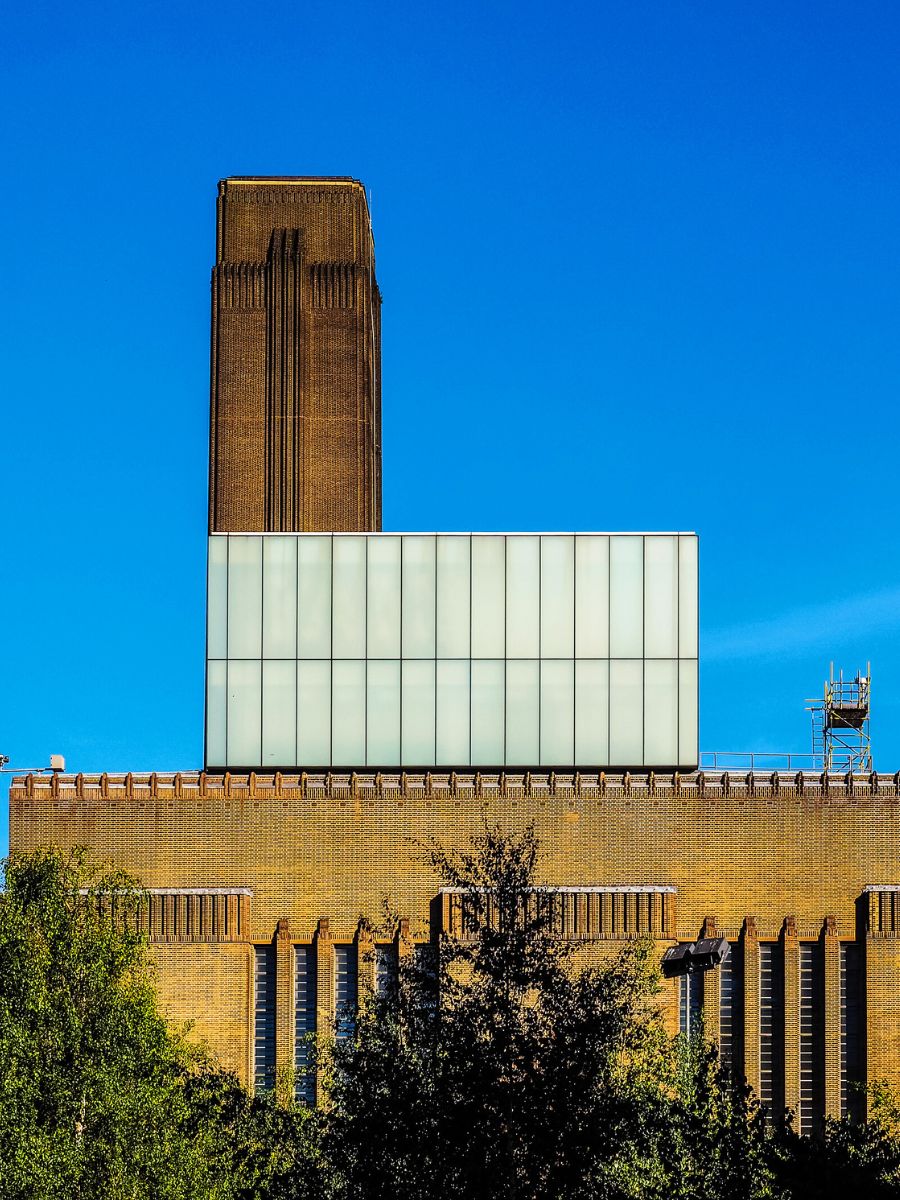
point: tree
(711, 1141)
(263, 1148)
(92, 1082)
(513, 1070)
(849, 1158)
(99, 1097)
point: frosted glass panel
(348, 635)
(523, 597)
(416, 649)
(217, 599)
(488, 598)
(626, 597)
(384, 598)
(660, 597)
(688, 706)
(244, 597)
(279, 597)
(487, 712)
(348, 698)
(591, 597)
(216, 754)
(244, 713)
(314, 597)
(591, 712)
(313, 714)
(626, 714)
(557, 597)
(557, 713)
(383, 713)
(523, 706)
(453, 597)
(418, 597)
(452, 714)
(417, 742)
(279, 712)
(661, 712)
(687, 596)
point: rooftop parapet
(424, 785)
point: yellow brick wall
(342, 847)
(209, 986)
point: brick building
(367, 692)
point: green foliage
(98, 1096)
(710, 1140)
(534, 1076)
(262, 1150)
(846, 1161)
(884, 1105)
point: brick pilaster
(831, 953)
(749, 946)
(365, 962)
(712, 986)
(284, 1007)
(404, 940)
(790, 948)
(324, 986)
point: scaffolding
(840, 723)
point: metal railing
(758, 760)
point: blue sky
(640, 271)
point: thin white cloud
(819, 625)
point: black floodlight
(707, 953)
(702, 955)
(677, 961)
